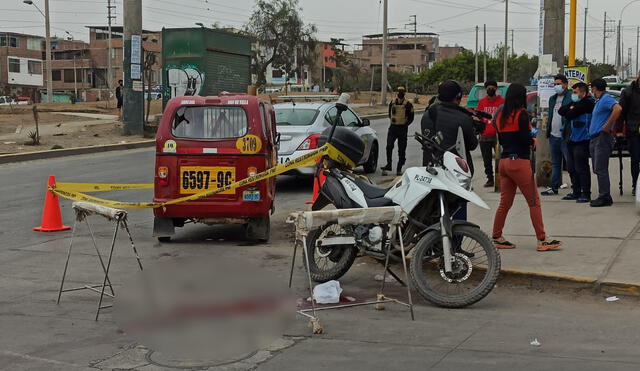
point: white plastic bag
(327, 293)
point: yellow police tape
(74, 191)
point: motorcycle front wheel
(475, 268)
(329, 263)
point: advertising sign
(545, 90)
(577, 74)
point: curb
(532, 278)
(39, 155)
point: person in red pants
(514, 134)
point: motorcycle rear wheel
(331, 263)
(476, 268)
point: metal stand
(83, 210)
(381, 298)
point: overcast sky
(454, 20)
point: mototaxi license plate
(194, 179)
(251, 195)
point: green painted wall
(203, 61)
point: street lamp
(47, 45)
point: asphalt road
(575, 330)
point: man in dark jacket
(578, 113)
(557, 132)
(401, 115)
(630, 103)
(447, 117)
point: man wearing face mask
(489, 104)
(557, 132)
(401, 115)
(579, 115)
(605, 113)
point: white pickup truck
(6, 100)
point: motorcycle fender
(454, 223)
(474, 198)
(333, 192)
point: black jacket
(630, 103)
(446, 117)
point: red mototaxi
(210, 142)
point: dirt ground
(17, 123)
(110, 133)
(108, 107)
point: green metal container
(203, 61)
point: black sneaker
(583, 199)
(602, 201)
(633, 191)
(570, 197)
(549, 192)
(489, 183)
(387, 167)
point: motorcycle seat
(373, 194)
(371, 190)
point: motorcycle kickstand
(395, 276)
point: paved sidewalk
(601, 245)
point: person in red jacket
(488, 138)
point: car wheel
(372, 162)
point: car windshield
(482, 92)
(209, 122)
(610, 79)
(295, 116)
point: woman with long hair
(514, 133)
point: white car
(299, 125)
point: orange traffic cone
(51, 217)
(318, 181)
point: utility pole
(506, 34)
(47, 27)
(629, 62)
(132, 67)
(383, 78)
(476, 54)
(75, 77)
(618, 48)
(109, 49)
(552, 43)
(604, 39)
(573, 10)
(637, 45)
(513, 50)
(484, 53)
(584, 35)
(415, 42)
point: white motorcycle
(453, 264)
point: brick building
(406, 51)
(21, 65)
(448, 52)
(91, 62)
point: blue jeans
(558, 149)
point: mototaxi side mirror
(365, 122)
